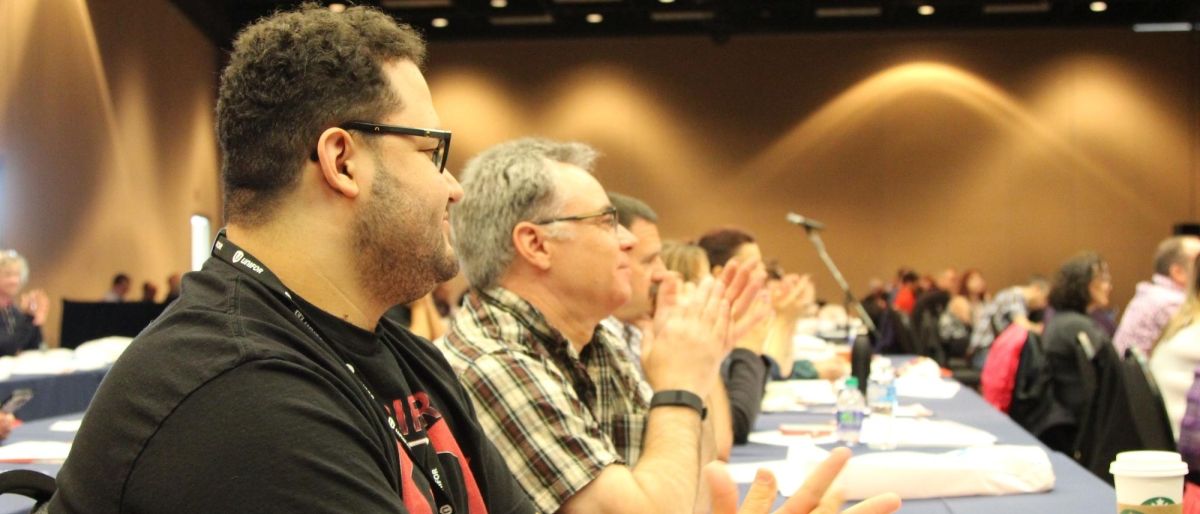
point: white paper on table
(777, 438)
(927, 433)
(989, 470)
(35, 451)
(797, 395)
(932, 388)
(66, 425)
(912, 410)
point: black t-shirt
(228, 403)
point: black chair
(38, 486)
(85, 321)
(860, 361)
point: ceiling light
(670, 16)
(925, 10)
(513, 21)
(1098, 7)
(439, 23)
(848, 12)
(1181, 26)
(337, 7)
(413, 4)
(499, 4)
(1019, 8)
(595, 18)
(666, 1)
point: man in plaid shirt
(547, 261)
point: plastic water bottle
(883, 417)
(850, 412)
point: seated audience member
(632, 319)
(120, 288)
(932, 303)
(548, 260)
(906, 296)
(1081, 286)
(172, 288)
(973, 289)
(1157, 300)
(646, 267)
(686, 259)
(1189, 443)
(21, 314)
(1012, 305)
(792, 296)
(274, 384)
(149, 292)
(1176, 356)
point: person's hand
(793, 296)
(760, 314)
(744, 280)
(688, 338)
(814, 497)
(36, 304)
(6, 424)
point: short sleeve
(268, 437)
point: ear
(532, 245)
(339, 158)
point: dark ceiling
(720, 19)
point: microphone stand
(837, 276)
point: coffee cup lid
(1148, 464)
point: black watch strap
(679, 397)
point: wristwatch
(679, 397)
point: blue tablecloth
(33, 431)
(1076, 490)
(54, 395)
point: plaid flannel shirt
(558, 416)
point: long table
(33, 431)
(1076, 490)
(54, 395)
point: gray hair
(11, 257)
(1171, 252)
(505, 185)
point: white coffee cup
(1149, 482)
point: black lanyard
(225, 250)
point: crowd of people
(122, 285)
(325, 358)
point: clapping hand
(814, 497)
(36, 304)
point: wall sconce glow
(926, 10)
(439, 23)
(337, 7)
(499, 4)
(1098, 6)
(594, 18)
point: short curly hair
(1070, 291)
(291, 76)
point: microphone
(807, 223)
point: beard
(402, 255)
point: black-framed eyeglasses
(440, 154)
(609, 211)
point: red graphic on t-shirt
(428, 420)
